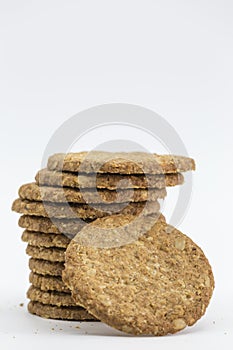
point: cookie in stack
(95, 185)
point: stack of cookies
(73, 191)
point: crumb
(60, 329)
(52, 329)
(77, 327)
(21, 304)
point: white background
(174, 57)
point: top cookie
(121, 163)
(159, 284)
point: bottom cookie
(72, 313)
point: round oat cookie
(44, 267)
(50, 297)
(33, 192)
(40, 239)
(120, 163)
(106, 181)
(41, 224)
(74, 313)
(48, 283)
(51, 254)
(158, 284)
(64, 212)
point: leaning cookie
(158, 284)
(74, 313)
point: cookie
(50, 297)
(62, 313)
(68, 227)
(44, 267)
(50, 254)
(107, 181)
(120, 163)
(33, 192)
(84, 212)
(48, 283)
(41, 224)
(40, 239)
(158, 284)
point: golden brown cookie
(74, 313)
(50, 254)
(48, 283)
(158, 284)
(84, 212)
(107, 181)
(33, 192)
(58, 226)
(50, 297)
(120, 163)
(46, 240)
(68, 227)
(44, 267)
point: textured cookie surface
(157, 285)
(33, 192)
(121, 163)
(68, 227)
(48, 283)
(50, 254)
(107, 181)
(50, 297)
(46, 240)
(62, 313)
(84, 212)
(57, 226)
(44, 267)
